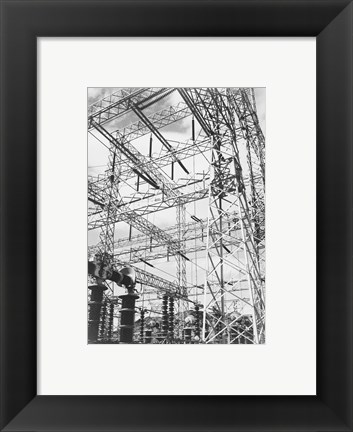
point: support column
(148, 336)
(127, 319)
(95, 311)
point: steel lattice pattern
(177, 206)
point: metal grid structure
(181, 201)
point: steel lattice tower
(223, 246)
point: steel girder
(120, 102)
(228, 194)
(229, 121)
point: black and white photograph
(176, 215)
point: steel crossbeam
(144, 166)
(155, 131)
(143, 253)
(227, 194)
(144, 209)
(136, 221)
(158, 283)
(142, 204)
(139, 246)
(159, 120)
(120, 102)
(231, 239)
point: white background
(286, 365)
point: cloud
(260, 95)
(94, 94)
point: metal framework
(182, 202)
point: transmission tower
(198, 153)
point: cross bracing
(195, 157)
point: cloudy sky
(97, 154)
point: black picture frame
(331, 22)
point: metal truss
(141, 207)
(107, 196)
(147, 279)
(231, 238)
(130, 217)
(227, 194)
(140, 247)
(120, 103)
(145, 203)
(141, 165)
(158, 120)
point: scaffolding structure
(181, 204)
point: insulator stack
(110, 322)
(127, 317)
(103, 319)
(95, 311)
(148, 336)
(197, 320)
(187, 335)
(165, 317)
(142, 325)
(171, 319)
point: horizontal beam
(96, 195)
(138, 162)
(159, 119)
(155, 131)
(141, 276)
(98, 220)
(119, 103)
(159, 284)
